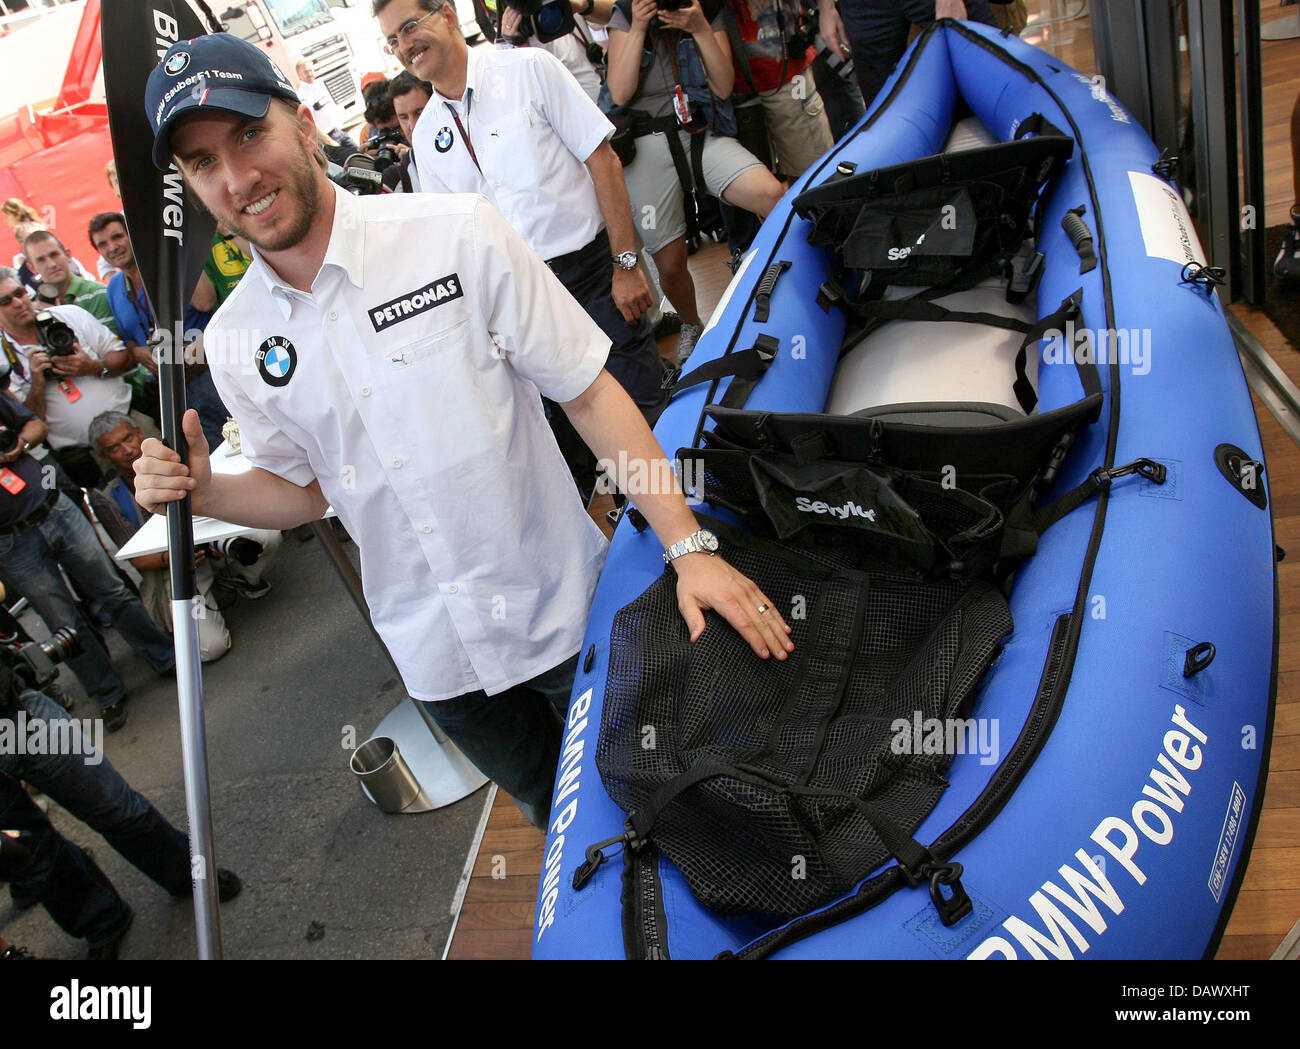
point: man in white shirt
(515, 126)
(325, 111)
(67, 391)
(402, 343)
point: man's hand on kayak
(704, 582)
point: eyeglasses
(18, 293)
(405, 30)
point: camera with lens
(384, 140)
(801, 35)
(56, 338)
(360, 175)
(672, 5)
(33, 665)
(547, 19)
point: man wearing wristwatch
(514, 126)
(66, 391)
(401, 387)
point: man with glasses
(514, 126)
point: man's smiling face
(430, 47)
(256, 177)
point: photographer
(672, 71)
(78, 776)
(41, 531)
(772, 52)
(71, 371)
(514, 126)
(409, 95)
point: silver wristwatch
(625, 260)
(701, 542)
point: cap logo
(177, 63)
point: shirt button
(426, 529)
(365, 391)
(397, 464)
(453, 589)
(333, 315)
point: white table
(444, 773)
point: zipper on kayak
(645, 928)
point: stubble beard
(303, 188)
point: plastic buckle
(1167, 166)
(1154, 472)
(596, 856)
(1207, 276)
(952, 908)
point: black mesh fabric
(785, 747)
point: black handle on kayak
(1081, 237)
(763, 299)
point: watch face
(627, 260)
(708, 541)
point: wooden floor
(496, 920)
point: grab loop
(1153, 471)
(1167, 166)
(1198, 658)
(955, 906)
(596, 856)
(1207, 276)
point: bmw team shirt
(531, 128)
(407, 382)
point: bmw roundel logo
(177, 63)
(276, 360)
(443, 142)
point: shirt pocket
(516, 143)
(441, 353)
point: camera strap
(12, 355)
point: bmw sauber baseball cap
(217, 71)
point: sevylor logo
(842, 512)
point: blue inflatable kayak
(1106, 804)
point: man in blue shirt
(135, 323)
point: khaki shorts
(801, 133)
(657, 206)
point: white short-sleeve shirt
(407, 382)
(532, 129)
(72, 404)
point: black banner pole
(169, 241)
